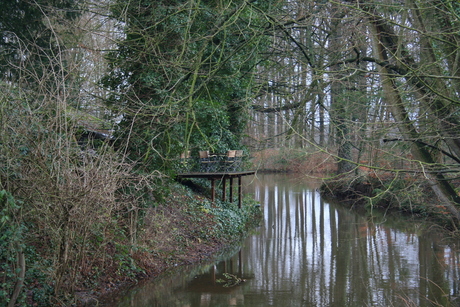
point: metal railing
(208, 162)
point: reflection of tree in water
(312, 253)
(326, 255)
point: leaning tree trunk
(438, 182)
(436, 95)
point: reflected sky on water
(308, 252)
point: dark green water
(312, 253)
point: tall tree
(181, 76)
(27, 41)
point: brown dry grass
(293, 160)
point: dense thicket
(27, 41)
(58, 197)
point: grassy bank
(309, 162)
(181, 228)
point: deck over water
(220, 176)
(216, 175)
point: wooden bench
(234, 159)
(215, 162)
(207, 162)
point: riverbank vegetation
(98, 99)
(374, 85)
(364, 189)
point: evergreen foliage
(27, 41)
(182, 76)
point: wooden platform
(221, 176)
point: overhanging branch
(427, 145)
(285, 107)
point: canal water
(309, 252)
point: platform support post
(231, 189)
(224, 189)
(240, 193)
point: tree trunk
(443, 189)
(340, 107)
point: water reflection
(312, 253)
